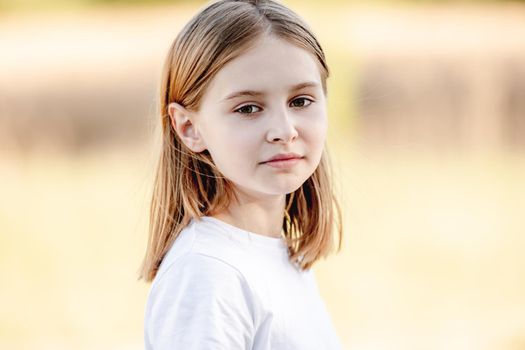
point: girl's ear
(182, 122)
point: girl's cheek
(316, 120)
(241, 139)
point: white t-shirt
(221, 287)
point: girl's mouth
(283, 163)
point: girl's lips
(284, 156)
(283, 163)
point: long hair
(188, 184)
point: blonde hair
(187, 184)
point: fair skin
(244, 131)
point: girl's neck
(261, 217)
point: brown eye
(301, 102)
(247, 109)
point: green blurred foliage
(46, 5)
(145, 2)
(35, 5)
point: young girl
(243, 204)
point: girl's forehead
(270, 63)
(269, 46)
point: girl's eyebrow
(260, 93)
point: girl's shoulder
(196, 293)
(200, 248)
(208, 248)
(195, 269)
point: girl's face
(266, 102)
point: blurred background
(427, 138)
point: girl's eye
(303, 100)
(247, 109)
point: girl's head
(244, 81)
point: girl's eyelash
(303, 98)
(252, 105)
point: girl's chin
(273, 187)
(283, 189)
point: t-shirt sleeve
(200, 303)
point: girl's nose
(281, 128)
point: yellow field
(432, 253)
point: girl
(243, 204)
